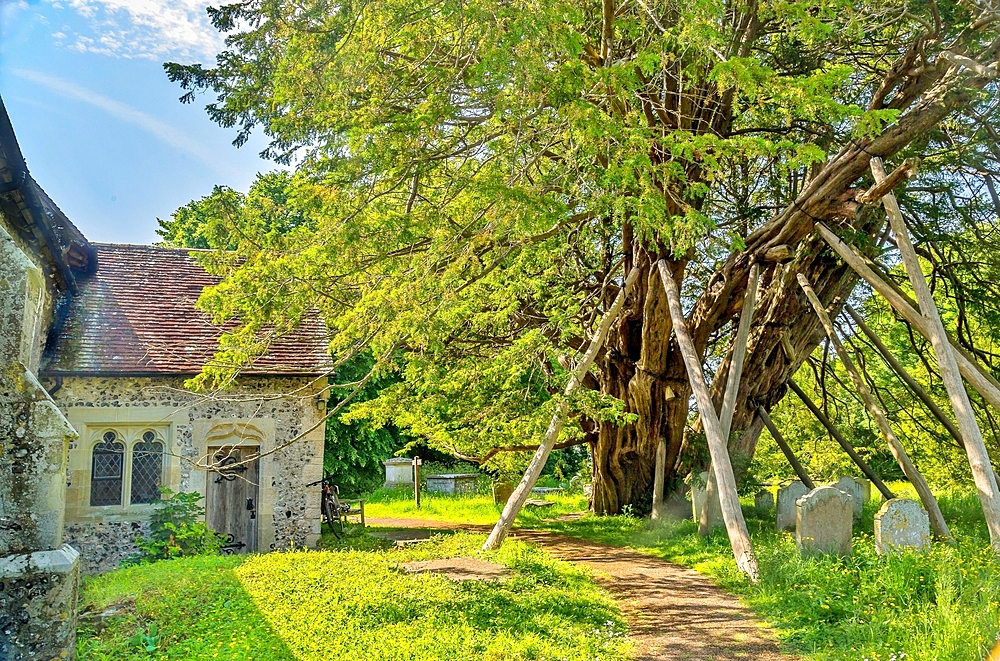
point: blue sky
(99, 123)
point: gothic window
(107, 471)
(147, 469)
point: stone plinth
(787, 495)
(764, 501)
(900, 524)
(398, 472)
(38, 605)
(823, 522)
(453, 483)
(860, 492)
(699, 500)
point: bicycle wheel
(331, 513)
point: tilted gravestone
(901, 523)
(787, 495)
(860, 492)
(764, 500)
(699, 500)
(823, 522)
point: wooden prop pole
(938, 524)
(975, 448)
(709, 511)
(844, 443)
(661, 465)
(907, 378)
(736, 526)
(917, 389)
(785, 448)
(523, 489)
(971, 371)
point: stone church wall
(265, 411)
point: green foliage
(355, 605)
(471, 509)
(469, 176)
(936, 606)
(355, 448)
(209, 223)
(177, 529)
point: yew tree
(473, 178)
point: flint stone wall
(288, 512)
(823, 522)
(902, 524)
(787, 497)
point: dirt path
(675, 613)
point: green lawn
(476, 509)
(352, 605)
(943, 605)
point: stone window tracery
(126, 461)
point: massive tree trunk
(642, 365)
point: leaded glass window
(107, 471)
(147, 469)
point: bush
(176, 529)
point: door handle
(250, 507)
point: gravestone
(824, 519)
(764, 500)
(502, 492)
(453, 483)
(787, 495)
(398, 472)
(860, 492)
(699, 499)
(902, 523)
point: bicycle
(330, 506)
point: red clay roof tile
(136, 315)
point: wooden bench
(359, 511)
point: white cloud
(162, 131)
(154, 29)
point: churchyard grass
(476, 509)
(943, 605)
(351, 604)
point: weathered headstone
(824, 520)
(787, 495)
(860, 492)
(901, 523)
(502, 492)
(453, 483)
(699, 500)
(764, 500)
(398, 472)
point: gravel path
(675, 613)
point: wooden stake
(907, 378)
(523, 489)
(661, 465)
(917, 389)
(970, 370)
(844, 443)
(709, 511)
(975, 448)
(938, 524)
(736, 526)
(785, 448)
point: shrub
(176, 529)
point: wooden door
(231, 502)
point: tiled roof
(136, 315)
